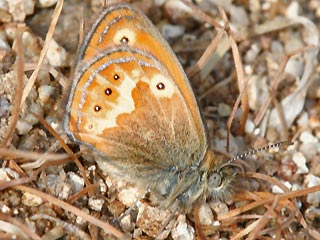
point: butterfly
(133, 105)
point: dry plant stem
(84, 191)
(15, 167)
(240, 73)
(267, 199)
(233, 113)
(284, 127)
(193, 70)
(15, 182)
(15, 154)
(20, 225)
(69, 227)
(66, 148)
(72, 209)
(199, 232)
(62, 80)
(283, 196)
(262, 222)
(202, 15)
(46, 45)
(280, 226)
(275, 83)
(18, 94)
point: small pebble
(95, 203)
(303, 120)
(239, 15)
(46, 3)
(307, 137)
(31, 200)
(313, 198)
(294, 67)
(23, 127)
(45, 93)
(150, 220)
(299, 159)
(77, 182)
(249, 128)
(57, 55)
(19, 9)
(224, 110)
(170, 31)
(129, 195)
(126, 224)
(183, 230)
(205, 215)
(292, 10)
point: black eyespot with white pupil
(116, 77)
(97, 108)
(108, 91)
(124, 39)
(161, 86)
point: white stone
(252, 54)
(56, 55)
(205, 215)
(77, 182)
(45, 92)
(276, 189)
(126, 224)
(37, 109)
(129, 195)
(294, 67)
(249, 127)
(172, 31)
(19, 9)
(239, 15)
(303, 120)
(224, 110)
(95, 203)
(293, 10)
(299, 159)
(46, 3)
(307, 137)
(23, 127)
(313, 198)
(183, 231)
(31, 200)
(5, 209)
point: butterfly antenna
(254, 151)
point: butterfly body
(132, 104)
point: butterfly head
(220, 181)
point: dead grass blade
(16, 228)
(45, 48)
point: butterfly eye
(215, 180)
